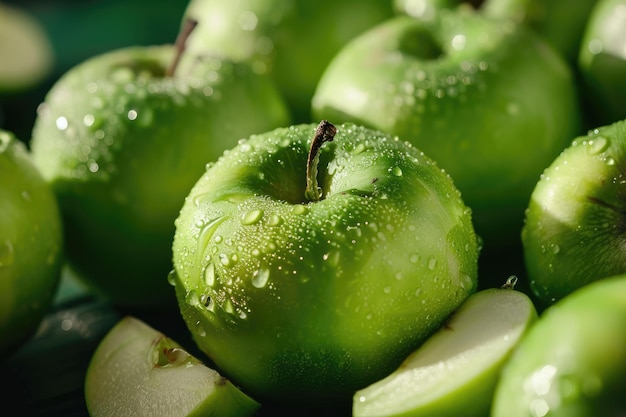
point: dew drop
(260, 278)
(414, 258)
(597, 145)
(228, 306)
(192, 298)
(299, 209)
(397, 171)
(172, 277)
(62, 123)
(6, 254)
(555, 248)
(432, 263)
(251, 217)
(275, 220)
(207, 232)
(209, 274)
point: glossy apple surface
(572, 362)
(602, 61)
(487, 100)
(122, 143)
(454, 373)
(31, 244)
(291, 40)
(303, 301)
(137, 370)
(575, 219)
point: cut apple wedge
(138, 371)
(455, 371)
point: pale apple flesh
(574, 228)
(136, 370)
(455, 371)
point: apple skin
(303, 302)
(31, 245)
(122, 144)
(575, 217)
(486, 99)
(455, 371)
(424, 9)
(137, 370)
(602, 62)
(572, 362)
(293, 41)
(559, 22)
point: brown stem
(181, 43)
(325, 132)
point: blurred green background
(79, 29)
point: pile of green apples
(365, 208)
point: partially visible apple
(26, 54)
(122, 139)
(602, 62)
(572, 362)
(575, 223)
(488, 100)
(560, 22)
(307, 270)
(455, 372)
(137, 370)
(291, 40)
(31, 245)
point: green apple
(122, 140)
(572, 362)
(602, 61)
(486, 99)
(31, 244)
(560, 22)
(454, 373)
(26, 55)
(302, 297)
(137, 370)
(291, 40)
(575, 217)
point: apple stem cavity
(325, 132)
(181, 43)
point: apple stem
(325, 132)
(510, 283)
(181, 43)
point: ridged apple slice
(138, 371)
(455, 371)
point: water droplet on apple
(62, 123)
(192, 298)
(609, 161)
(299, 209)
(7, 255)
(397, 171)
(555, 248)
(172, 277)
(228, 306)
(414, 258)
(260, 278)
(432, 263)
(597, 145)
(209, 274)
(275, 220)
(251, 217)
(358, 149)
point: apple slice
(136, 370)
(455, 371)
